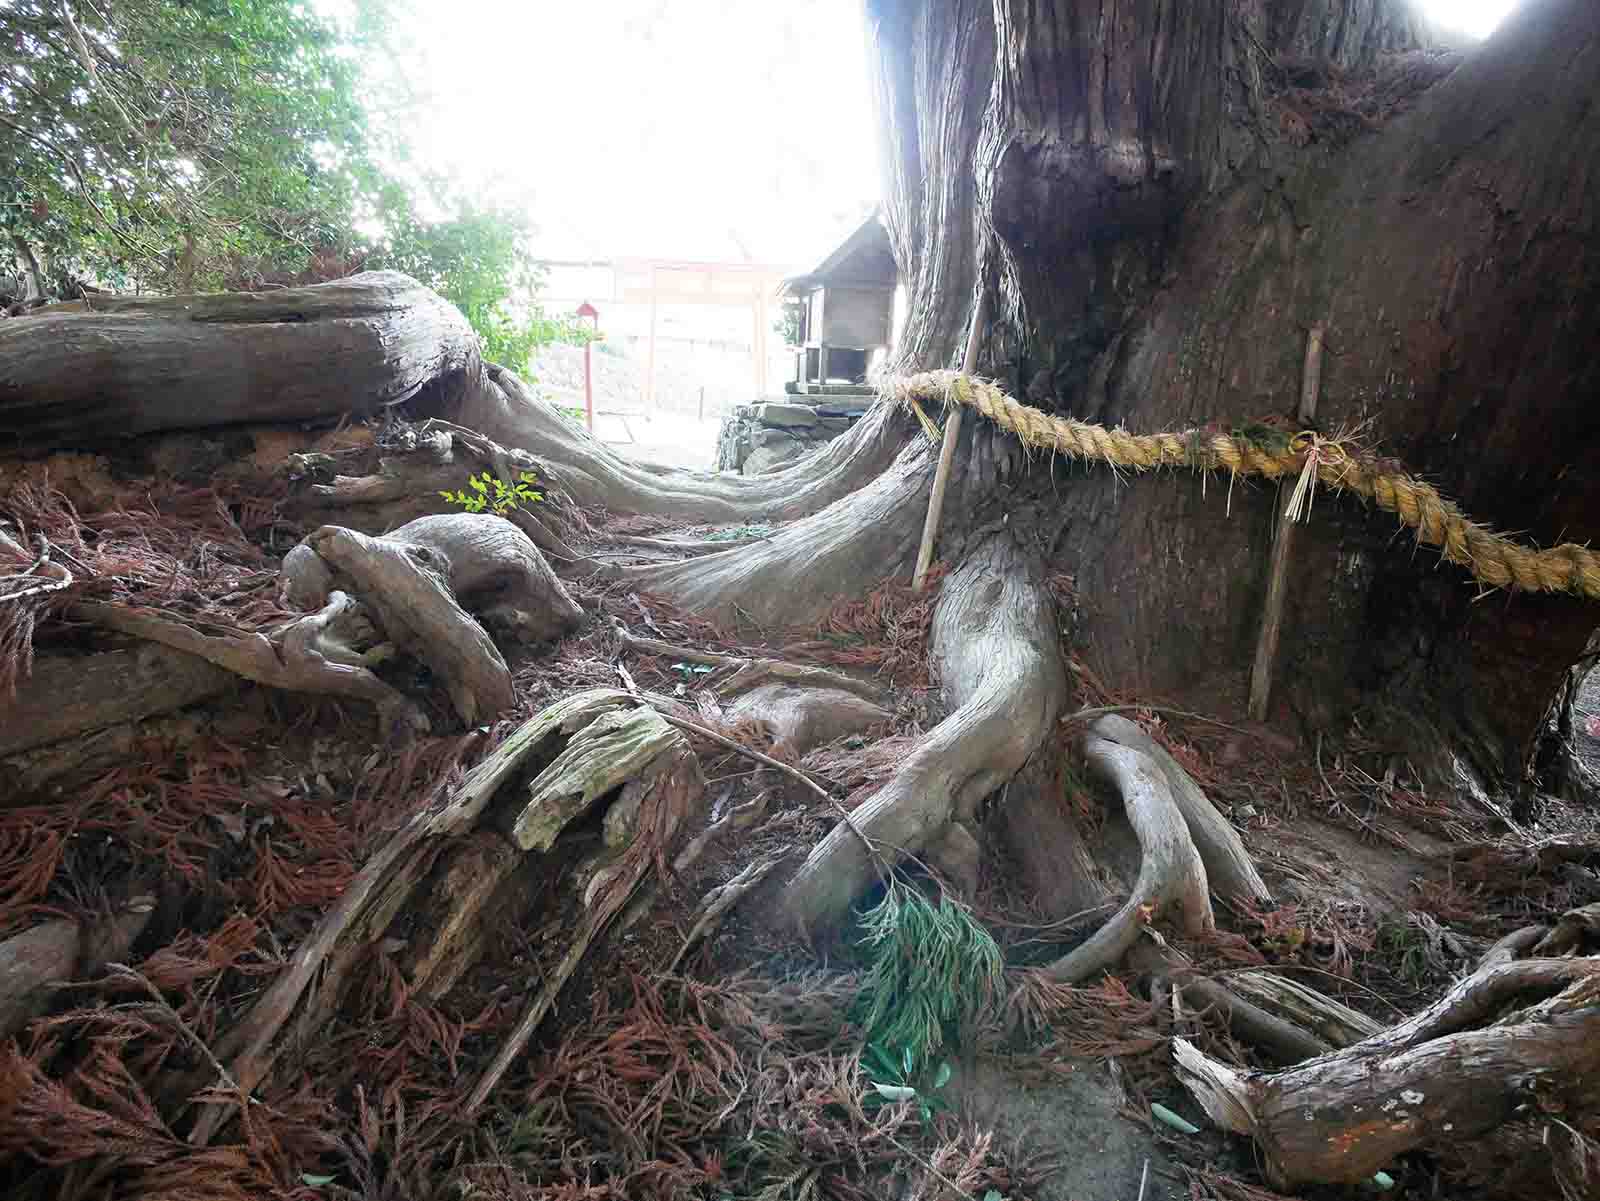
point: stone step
(783, 415)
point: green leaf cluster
(488, 493)
(932, 969)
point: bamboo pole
(1282, 544)
(947, 447)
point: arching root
(1229, 868)
(1172, 876)
(994, 641)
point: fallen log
(74, 694)
(115, 367)
(1511, 1039)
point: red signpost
(588, 310)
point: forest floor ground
(735, 1072)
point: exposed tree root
(1172, 876)
(1229, 869)
(503, 409)
(800, 718)
(994, 642)
(1041, 838)
(1513, 1036)
(407, 587)
(800, 706)
(425, 459)
(748, 673)
(795, 577)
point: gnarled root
(426, 459)
(1229, 868)
(307, 655)
(419, 581)
(1514, 1038)
(1189, 849)
(994, 640)
(801, 718)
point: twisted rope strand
(1492, 558)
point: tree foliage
(234, 143)
(166, 145)
(478, 260)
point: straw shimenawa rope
(1494, 559)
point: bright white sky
(1477, 17)
(711, 129)
(668, 128)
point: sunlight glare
(1477, 17)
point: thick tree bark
(921, 49)
(1162, 237)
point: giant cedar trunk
(1168, 195)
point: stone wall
(763, 436)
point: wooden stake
(947, 448)
(1282, 544)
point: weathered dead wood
(70, 695)
(1172, 876)
(1512, 1036)
(604, 755)
(1336, 1024)
(407, 587)
(446, 930)
(1578, 929)
(135, 366)
(302, 657)
(314, 980)
(36, 962)
(560, 720)
(1281, 1039)
(661, 795)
